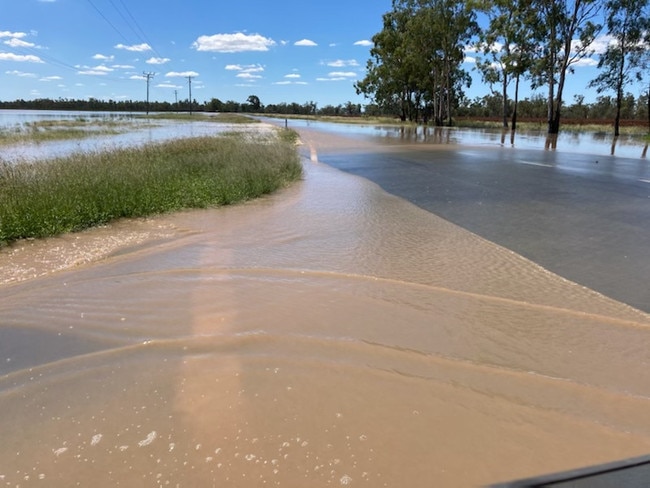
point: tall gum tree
(566, 32)
(626, 56)
(388, 81)
(416, 58)
(507, 44)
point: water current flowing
(328, 335)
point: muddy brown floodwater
(327, 335)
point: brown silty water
(328, 335)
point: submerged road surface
(585, 217)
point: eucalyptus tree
(508, 44)
(626, 55)
(388, 81)
(417, 57)
(440, 31)
(255, 103)
(566, 32)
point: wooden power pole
(189, 80)
(148, 76)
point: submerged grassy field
(56, 130)
(82, 127)
(39, 199)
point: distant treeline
(488, 106)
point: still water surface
(140, 130)
(329, 335)
(598, 143)
(145, 130)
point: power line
(126, 21)
(109, 22)
(132, 24)
(142, 36)
(46, 58)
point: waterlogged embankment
(329, 335)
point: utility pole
(176, 97)
(189, 79)
(148, 76)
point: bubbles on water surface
(345, 480)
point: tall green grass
(67, 194)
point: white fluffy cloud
(248, 76)
(100, 70)
(21, 74)
(155, 60)
(17, 35)
(305, 42)
(183, 74)
(600, 44)
(233, 43)
(102, 57)
(26, 58)
(364, 43)
(247, 68)
(342, 63)
(16, 42)
(339, 76)
(139, 48)
(288, 82)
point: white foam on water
(150, 438)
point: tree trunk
(516, 100)
(551, 106)
(617, 120)
(505, 100)
(554, 123)
(619, 89)
(649, 110)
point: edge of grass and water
(82, 127)
(632, 128)
(67, 194)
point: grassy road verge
(40, 199)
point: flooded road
(329, 335)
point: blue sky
(280, 51)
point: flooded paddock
(131, 130)
(329, 335)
